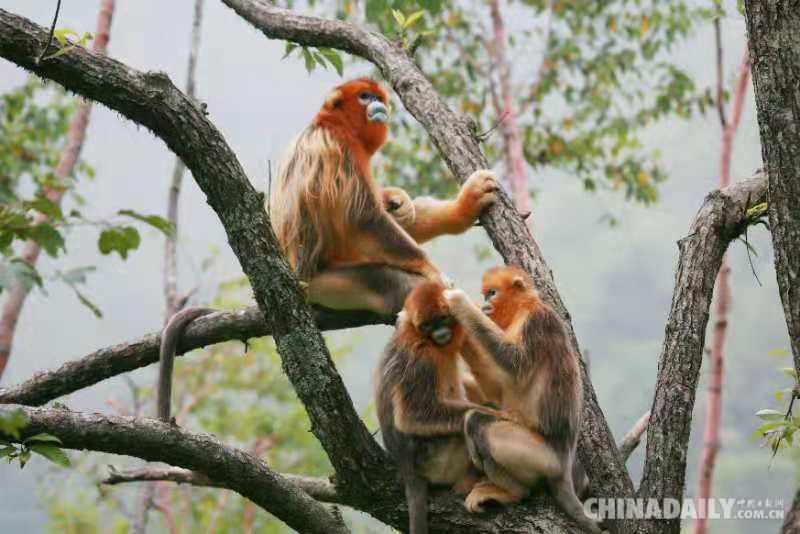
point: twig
(52, 32)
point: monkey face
(360, 106)
(438, 329)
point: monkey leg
(374, 287)
(513, 458)
(445, 461)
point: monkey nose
(487, 308)
(377, 112)
(442, 336)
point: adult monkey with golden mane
(330, 219)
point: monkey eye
(366, 98)
(490, 294)
(393, 205)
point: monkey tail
(417, 498)
(416, 489)
(170, 336)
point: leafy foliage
(779, 426)
(45, 445)
(601, 75)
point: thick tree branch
(721, 219)
(153, 440)
(125, 357)
(454, 137)
(152, 100)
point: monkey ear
(518, 282)
(334, 99)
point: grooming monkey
(521, 356)
(329, 217)
(421, 401)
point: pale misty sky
(617, 283)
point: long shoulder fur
(318, 177)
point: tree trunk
(773, 28)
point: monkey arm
(484, 372)
(483, 332)
(425, 217)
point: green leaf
(121, 239)
(412, 18)
(399, 17)
(309, 59)
(52, 453)
(24, 456)
(45, 206)
(17, 271)
(768, 414)
(156, 221)
(334, 58)
(77, 275)
(48, 238)
(290, 47)
(43, 438)
(12, 422)
(789, 371)
(7, 451)
(61, 35)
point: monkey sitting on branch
(329, 217)
(521, 356)
(421, 401)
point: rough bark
(721, 219)
(18, 293)
(791, 524)
(150, 99)
(455, 139)
(773, 29)
(156, 441)
(117, 359)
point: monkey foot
(486, 493)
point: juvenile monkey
(522, 357)
(421, 401)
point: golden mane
(321, 191)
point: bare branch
(117, 359)
(721, 219)
(155, 441)
(632, 439)
(321, 489)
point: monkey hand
(478, 192)
(457, 300)
(399, 205)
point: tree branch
(455, 138)
(156, 441)
(720, 220)
(151, 100)
(632, 439)
(125, 357)
(321, 489)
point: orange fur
(326, 209)
(516, 294)
(424, 303)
